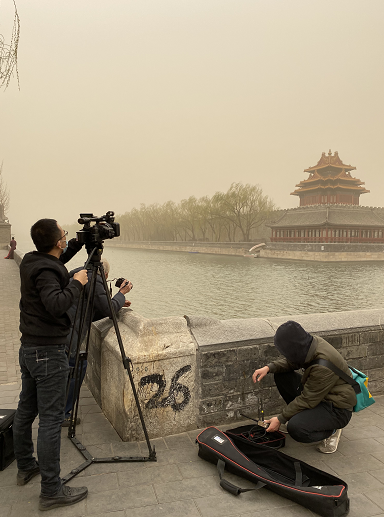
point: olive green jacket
(319, 382)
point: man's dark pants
(44, 374)
(310, 425)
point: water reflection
(171, 283)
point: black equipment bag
(256, 434)
(318, 491)
(6, 437)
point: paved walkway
(180, 484)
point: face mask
(66, 246)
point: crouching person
(319, 402)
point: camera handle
(96, 266)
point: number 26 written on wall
(176, 390)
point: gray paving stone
(97, 483)
(174, 509)
(131, 497)
(158, 443)
(225, 504)
(361, 506)
(376, 496)
(360, 446)
(197, 469)
(31, 510)
(178, 440)
(97, 437)
(187, 489)
(126, 449)
(348, 465)
(378, 474)
(6, 510)
(372, 431)
(142, 474)
(289, 511)
(10, 495)
(361, 482)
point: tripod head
(94, 255)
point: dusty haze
(125, 102)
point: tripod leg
(126, 361)
(80, 356)
(95, 255)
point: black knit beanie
(293, 342)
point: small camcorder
(119, 281)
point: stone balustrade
(195, 371)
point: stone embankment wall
(193, 372)
(327, 252)
(215, 248)
(5, 234)
(290, 251)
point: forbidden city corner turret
(329, 210)
(330, 182)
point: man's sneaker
(329, 445)
(24, 476)
(66, 496)
(67, 422)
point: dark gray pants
(44, 374)
(310, 425)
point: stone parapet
(194, 372)
(321, 256)
(230, 350)
(324, 252)
(213, 248)
(18, 256)
(5, 234)
(163, 356)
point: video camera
(104, 228)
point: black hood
(293, 342)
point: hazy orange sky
(124, 102)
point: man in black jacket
(46, 295)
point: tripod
(94, 263)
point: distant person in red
(13, 244)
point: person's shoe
(66, 496)
(283, 428)
(67, 422)
(24, 476)
(329, 445)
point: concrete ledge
(194, 372)
(163, 368)
(18, 256)
(321, 256)
(214, 248)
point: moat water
(168, 283)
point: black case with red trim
(315, 489)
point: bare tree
(8, 53)
(246, 207)
(4, 195)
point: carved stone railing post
(163, 356)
